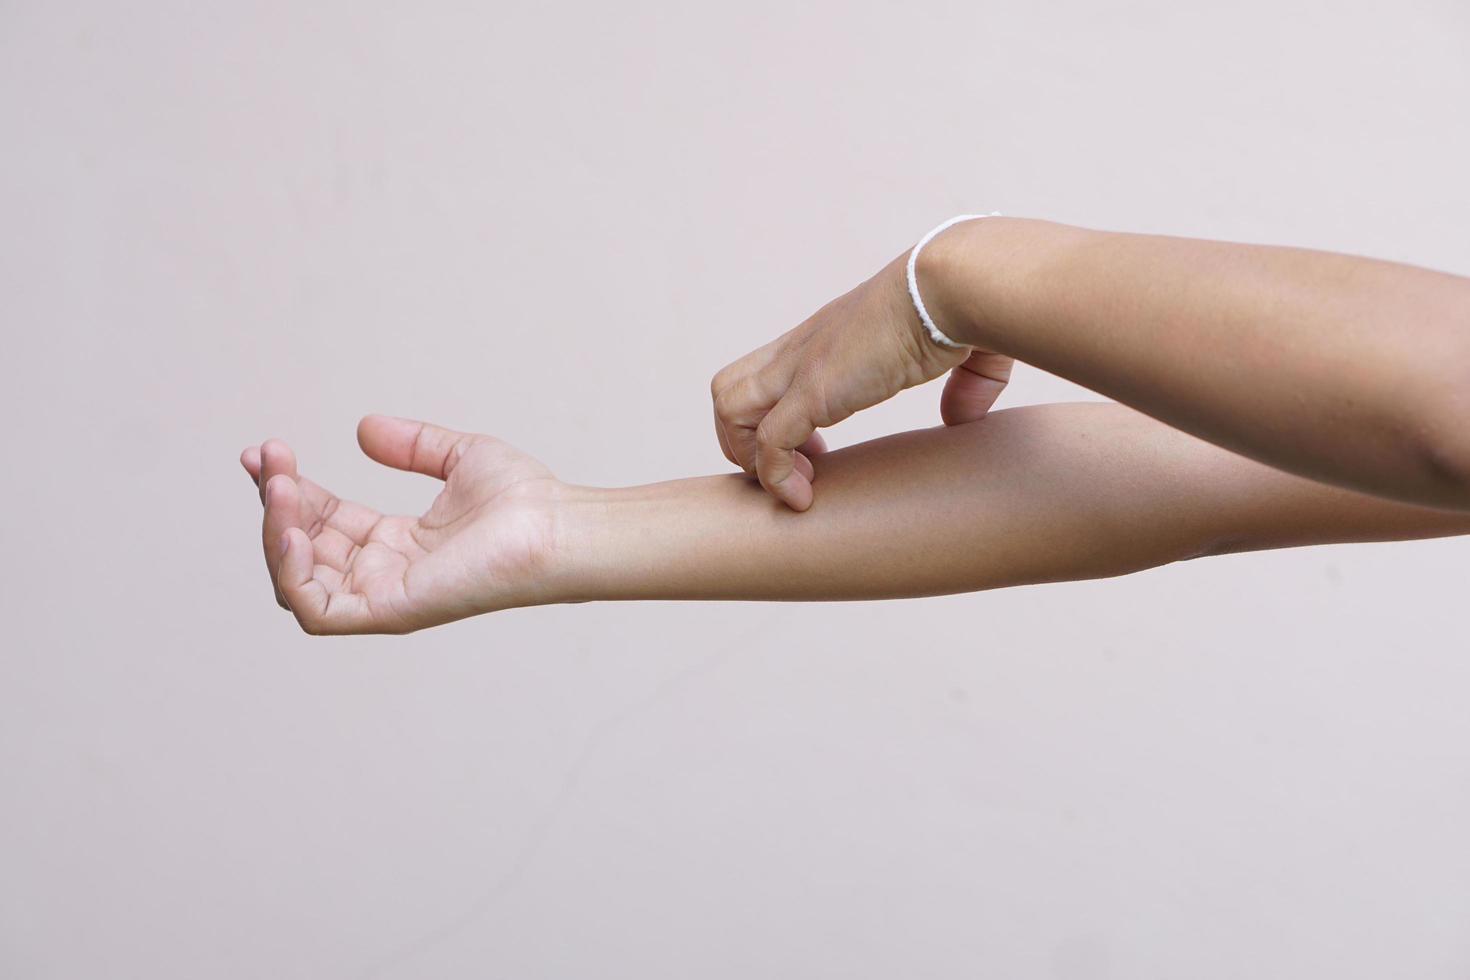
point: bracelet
(934, 332)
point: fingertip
(390, 440)
(803, 465)
(366, 424)
(250, 459)
(815, 444)
(277, 457)
(796, 492)
(794, 489)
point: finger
(752, 363)
(735, 373)
(305, 596)
(418, 447)
(973, 386)
(780, 475)
(742, 406)
(814, 446)
(336, 526)
(804, 466)
(784, 428)
(276, 459)
(282, 512)
(724, 442)
(250, 459)
(738, 409)
(333, 549)
(317, 609)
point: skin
(1028, 495)
(1348, 370)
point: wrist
(944, 273)
(700, 538)
(976, 276)
(573, 546)
(622, 542)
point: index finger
(785, 473)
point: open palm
(341, 567)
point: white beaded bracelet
(928, 321)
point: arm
(1343, 369)
(1028, 495)
(1346, 369)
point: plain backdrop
(224, 222)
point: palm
(474, 549)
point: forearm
(1027, 495)
(1346, 369)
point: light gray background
(554, 223)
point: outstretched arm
(1027, 495)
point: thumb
(973, 387)
(418, 447)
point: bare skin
(343, 567)
(1348, 370)
(1038, 494)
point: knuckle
(768, 433)
(815, 354)
(791, 341)
(719, 382)
(813, 395)
(814, 385)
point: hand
(858, 350)
(341, 567)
